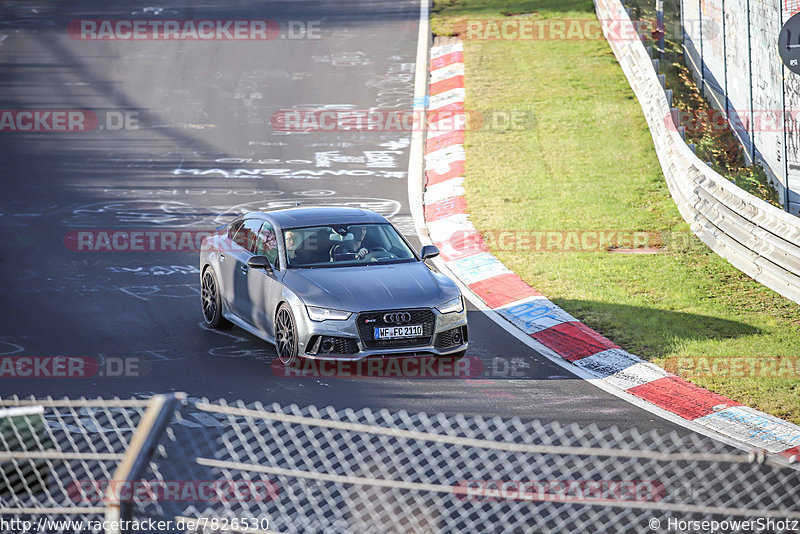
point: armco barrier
(758, 239)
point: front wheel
(211, 301)
(285, 335)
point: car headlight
(451, 306)
(323, 314)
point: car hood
(375, 287)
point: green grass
(587, 162)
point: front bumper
(443, 334)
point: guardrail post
(158, 415)
(783, 121)
(660, 27)
(725, 61)
(750, 80)
(702, 59)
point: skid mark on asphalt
(156, 270)
(7, 347)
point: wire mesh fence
(732, 51)
(222, 467)
(49, 448)
(311, 470)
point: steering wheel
(338, 252)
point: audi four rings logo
(397, 317)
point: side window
(246, 234)
(233, 228)
(267, 243)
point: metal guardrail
(758, 239)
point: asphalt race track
(205, 150)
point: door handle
(222, 256)
(244, 268)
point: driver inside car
(357, 244)
(352, 246)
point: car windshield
(345, 246)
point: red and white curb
(467, 257)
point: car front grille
(345, 346)
(367, 321)
(448, 338)
(340, 345)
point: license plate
(398, 332)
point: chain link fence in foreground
(47, 445)
(236, 468)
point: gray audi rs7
(329, 283)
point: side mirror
(259, 262)
(429, 251)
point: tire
(285, 335)
(211, 302)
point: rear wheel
(285, 335)
(211, 301)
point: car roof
(319, 215)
